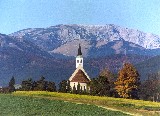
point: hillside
(22, 59)
(31, 53)
(125, 106)
(18, 106)
(58, 69)
(149, 66)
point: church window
(77, 61)
(81, 61)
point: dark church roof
(80, 77)
(79, 51)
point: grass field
(136, 107)
(11, 105)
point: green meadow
(31, 103)
(31, 106)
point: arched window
(77, 61)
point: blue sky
(143, 15)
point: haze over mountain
(51, 51)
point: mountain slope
(64, 39)
(44, 51)
(23, 59)
(149, 66)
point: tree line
(125, 84)
(30, 85)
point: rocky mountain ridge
(51, 51)
(63, 39)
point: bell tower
(79, 58)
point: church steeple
(80, 76)
(79, 58)
(79, 51)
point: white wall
(83, 85)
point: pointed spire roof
(79, 51)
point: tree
(51, 86)
(150, 88)
(100, 86)
(11, 84)
(111, 79)
(81, 91)
(78, 88)
(68, 86)
(94, 86)
(41, 85)
(128, 82)
(63, 86)
(74, 91)
(34, 85)
(27, 85)
(103, 85)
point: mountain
(108, 39)
(31, 53)
(149, 66)
(24, 59)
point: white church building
(79, 75)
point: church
(80, 76)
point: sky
(16, 15)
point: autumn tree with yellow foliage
(128, 82)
